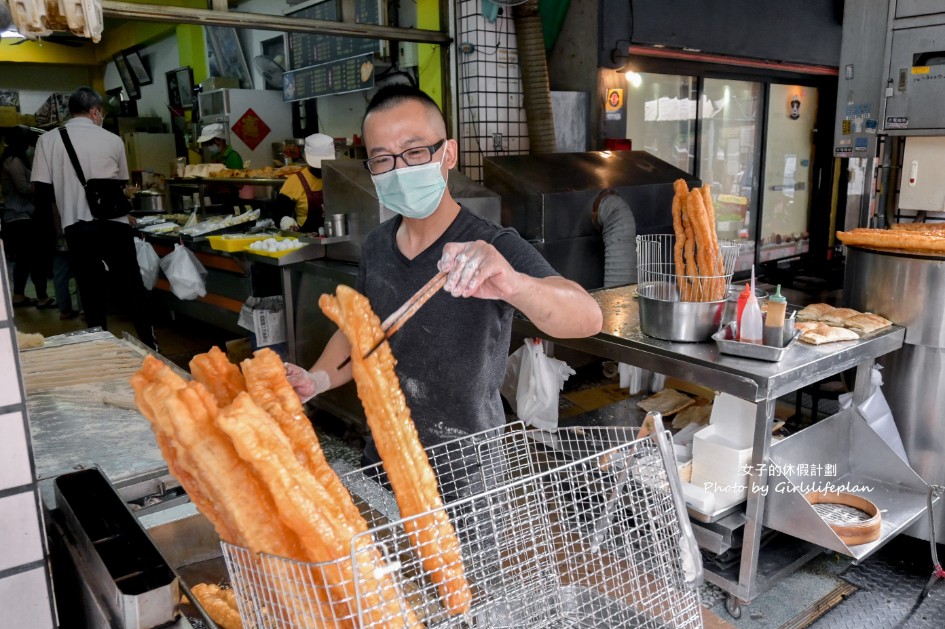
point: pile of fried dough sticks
(247, 455)
(698, 261)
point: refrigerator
(153, 152)
(254, 119)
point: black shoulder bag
(106, 197)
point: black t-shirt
(452, 354)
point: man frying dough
(452, 354)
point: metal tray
(725, 340)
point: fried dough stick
(406, 463)
(679, 200)
(269, 388)
(179, 462)
(706, 257)
(718, 287)
(220, 604)
(692, 266)
(309, 511)
(221, 377)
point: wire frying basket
(584, 527)
(657, 271)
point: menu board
(333, 77)
(306, 49)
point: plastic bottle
(773, 333)
(742, 300)
(749, 330)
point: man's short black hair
(392, 95)
(84, 100)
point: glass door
(730, 112)
(661, 117)
(789, 152)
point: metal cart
(580, 528)
(762, 383)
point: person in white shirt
(102, 252)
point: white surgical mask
(213, 149)
(412, 192)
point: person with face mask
(301, 197)
(452, 354)
(101, 252)
(213, 140)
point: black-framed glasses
(416, 156)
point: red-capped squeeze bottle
(742, 300)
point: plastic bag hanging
(148, 262)
(540, 379)
(185, 273)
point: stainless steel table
(756, 381)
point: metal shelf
(756, 381)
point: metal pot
(687, 321)
(148, 201)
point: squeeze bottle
(749, 331)
(742, 301)
(773, 333)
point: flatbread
(666, 402)
(814, 312)
(867, 322)
(804, 326)
(838, 316)
(827, 334)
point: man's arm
(324, 374)
(557, 306)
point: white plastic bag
(185, 273)
(148, 262)
(540, 378)
(878, 414)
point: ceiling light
(634, 78)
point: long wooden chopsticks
(400, 316)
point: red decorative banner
(251, 129)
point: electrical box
(916, 81)
(923, 174)
(408, 57)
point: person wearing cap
(301, 198)
(213, 139)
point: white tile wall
(14, 454)
(24, 601)
(24, 596)
(9, 383)
(19, 530)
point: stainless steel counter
(621, 339)
(91, 424)
(756, 381)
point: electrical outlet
(497, 141)
(466, 48)
(408, 57)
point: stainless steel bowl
(687, 321)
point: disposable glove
(307, 384)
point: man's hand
(307, 384)
(477, 269)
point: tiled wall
(24, 577)
(489, 103)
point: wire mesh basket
(657, 276)
(580, 528)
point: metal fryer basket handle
(689, 549)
